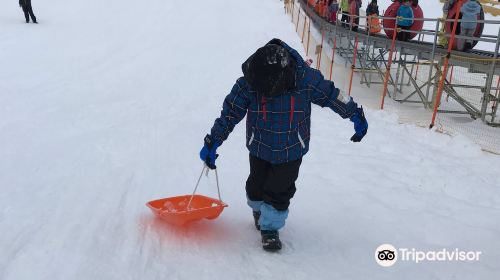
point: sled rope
(198, 183)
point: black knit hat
(270, 70)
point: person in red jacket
(354, 6)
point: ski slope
(104, 106)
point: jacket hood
(293, 53)
(271, 70)
(471, 7)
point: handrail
(426, 32)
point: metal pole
(431, 66)
(367, 50)
(353, 66)
(384, 92)
(489, 80)
(495, 104)
(308, 37)
(298, 20)
(403, 62)
(397, 74)
(420, 35)
(333, 49)
(437, 102)
(321, 50)
(377, 65)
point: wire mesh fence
(469, 96)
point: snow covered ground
(104, 106)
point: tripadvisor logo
(386, 255)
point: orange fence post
(353, 66)
(388, 70)
(498, 84)
(308, 37)
(304, 29)
(298, 19)
(321, 49)
(333, 55)
(445, 67)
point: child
(333, 8)
(344, 6)
(372, 8)
(470, 10)
(373, 20)
(355, 5)
(443, 40)
(276, 93)
(405, 20)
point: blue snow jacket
(470, 10)
(278, 129)
(405, 12)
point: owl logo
(386, 255)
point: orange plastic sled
(181, 210)
(173, 210)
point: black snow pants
(272, 183)
(403, 36)
(28, 10)
(345, 19)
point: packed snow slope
(104, 106)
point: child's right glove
(360, 125)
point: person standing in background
(443, 40)
(333, 8)
(405, 20)
(355, 5)
(470, 10)
(373, 21)
(28, 10)
(372, 8)
(344, 6)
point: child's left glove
(360, 125)
(208, 152)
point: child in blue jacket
(470, 12)
(275, 94)
(405, 20)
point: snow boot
(270, 240)
(256, 216)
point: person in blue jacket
(405, 20)
(276, 93)
(470, 11)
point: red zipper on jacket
(264, 112)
